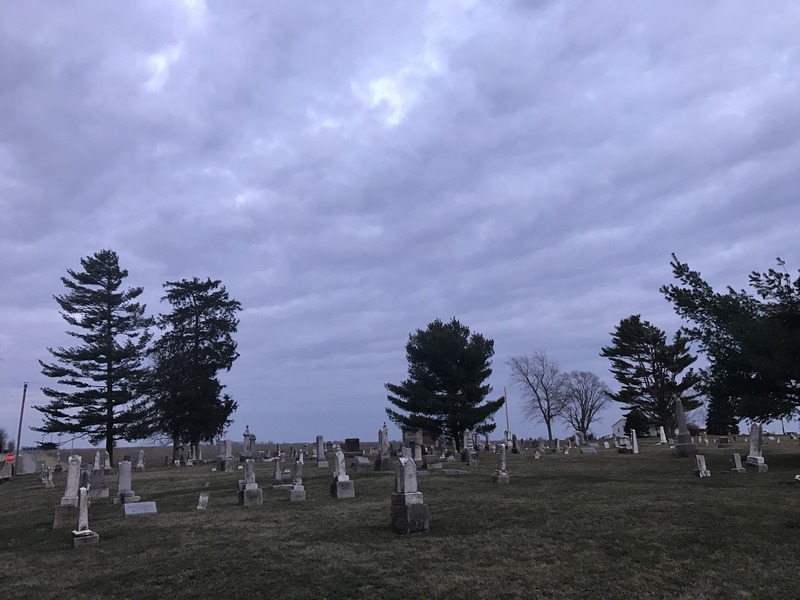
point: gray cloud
(352, 171)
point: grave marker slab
(138, 509)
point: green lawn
(579, 526)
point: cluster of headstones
(82, 486)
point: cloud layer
(354, 170)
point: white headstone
(662, 435)
(73, 479)
(202, 502)
(635, 441)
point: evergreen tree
(445, 390)
(752, 342)
(648, 369)
(196, 345)
(637, 421)
(105, 370)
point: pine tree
(105, 371)
(196, 345)
(445, 390)
(648, 369)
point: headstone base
(65, 516)
(343, 489)
(297, 494)
(739, 470)
(757, 467)
(702, 473)
(384, 463)
(685, 450)
(322, 464)
(251, 497)
(283, 486)
(140, 469)
(409, 518)
(84, 538)
(126, 498)
(500, 478)
(95, 492)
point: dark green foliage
(648, 369)
(637, 421)
(105, 370)
(196, 345)
(721, 418)
(752, 342)
(445, 389)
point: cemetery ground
(600, 526)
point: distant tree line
(114, 384)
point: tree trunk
(549, 431)
(175, 448)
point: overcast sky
(352, 170)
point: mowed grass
(580, 526)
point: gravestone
(125, 493)
(737, 464)
(701, 470)
(298, 492)
(83, 536)
(202, 502)
(537, 455)
(684, 446)
(383, 462)
(635, 441)
(606, 445)
(755, 460)
(39, 467)
(588, 450)
(107, 463)
(662, 435)
(48, 480)
(352, 445)
(137, 509)
(140, 462)
(501, 473)
(97, 460)
(342, 486)
(278, 471)
(514, 446)
(97, 484)
(409, 513)
(322, 461)
(361, 461)
(66, 514)
(251, 495)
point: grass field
(580, 526)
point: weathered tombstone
(97, 460)
(514, 446)
(97, 484)
(140, 462)
(246, 442)
(67, 512)
(737, 464)
(136, 509)
(701, 470)
(406, 453)
(606, 445)
(48, 483)
(418, 454)
(383, 462)
(501, 473)
(298, 492)
(361, 461)
(83, 536)
(39, 467)
(409, 512)
(202, 502)
(755, 460)
(321, 460)
(662, 435)
(125, 493)
(685, 447)
(342, 486)
(566, 451)
(588, 450)
(107, 463)
(278, 470)
(635, 441)
(251, 495)
(230, 464)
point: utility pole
(508, 426)
(18, 458)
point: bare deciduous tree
(586, 395)
(543, 387)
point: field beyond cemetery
(580, 526)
